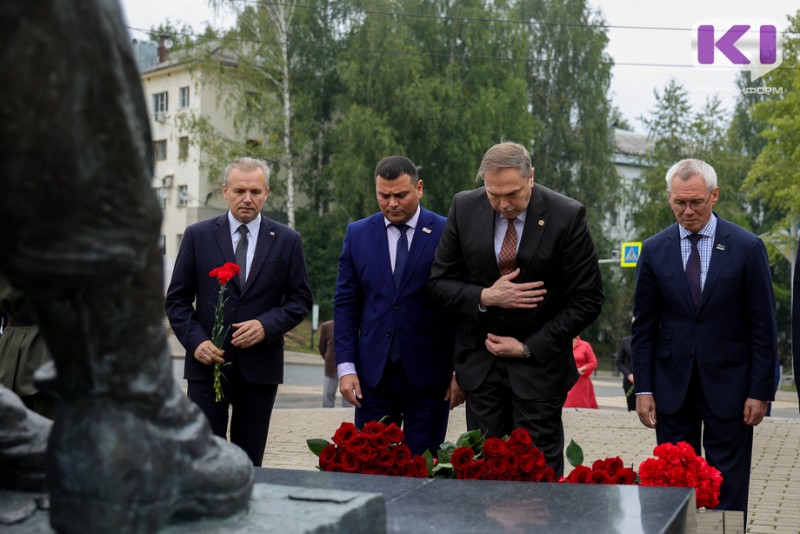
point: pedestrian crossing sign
(630, 253)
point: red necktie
(508, 251)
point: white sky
(646, 58)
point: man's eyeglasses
(694, 204)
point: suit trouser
(728, 442)
(494, 408)
(422, 414)
(251, 410)
(330, 386)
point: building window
(162, 242)
(183, 97)
(183, 195)
(178, 239)
(162, 195)
(183, 148)
(160, 149)
(160, 103)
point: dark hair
(394, 167)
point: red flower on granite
(677, 465)
(377, 449)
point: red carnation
(225, 273)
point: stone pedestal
(273, 509)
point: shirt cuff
(346, 368)
(644, 393)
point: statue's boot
(23, 444)
(125, 471)
(129, 452)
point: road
(302, 388)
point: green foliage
(317, 445)
(574, 454)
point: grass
(299, 339)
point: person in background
(582, 393)
(517, 266)
(331, 380)
(22, 351)
(705, 335)
(269, 297)
(394, 346)
(625, 365)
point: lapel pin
(272, 234)
(720, 246)
(426, 230)
(541, 222)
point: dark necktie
(401, 254)
(507, 261)
(693, 270)
(400, 257)
(241, 254)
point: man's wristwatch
(526, 352)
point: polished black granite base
(464, 506)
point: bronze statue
(79, 236)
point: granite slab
(466, 506)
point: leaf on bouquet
(574, 454)
(317, 445)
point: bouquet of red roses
(377, 449)
(609, 471)
(679, 466)
(475, 457)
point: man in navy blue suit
(705, 334)
(270, 297)
(394, 346)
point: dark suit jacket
(624, 360)
(556, 248)
(796, 324)
(733, 334)
(277, 294)
(368, 310)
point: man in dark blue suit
(394, 346)
(796, 324)
(270, 297)
(705, 334)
